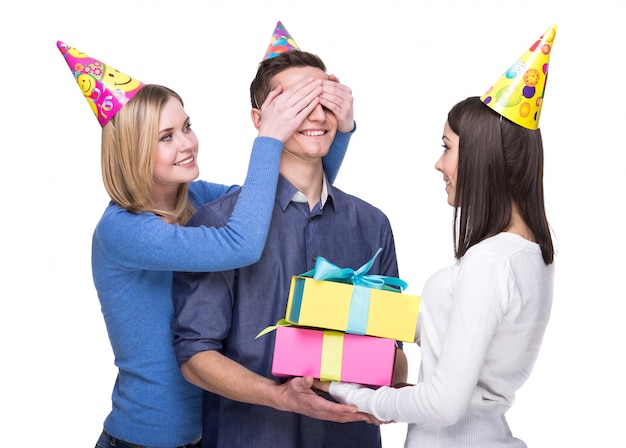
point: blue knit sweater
(133, 259)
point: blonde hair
(129, 146)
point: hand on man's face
(338, 98)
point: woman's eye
(166, 138)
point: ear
(255, 114)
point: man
(218, 315)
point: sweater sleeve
(333, 160)
(481, 289)
(144, 241)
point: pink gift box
(333, 355)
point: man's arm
(203, 318)
(216, 373)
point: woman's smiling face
(177, 148)
(449, 161)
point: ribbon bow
(325, 270)
(362, 282)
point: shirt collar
(286, 192)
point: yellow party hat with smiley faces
(518, 94)
(105, 88)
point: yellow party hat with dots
(518, 94)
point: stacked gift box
(342, 325)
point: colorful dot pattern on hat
(518, 94)
(281, 42)
(105, 88)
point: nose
(317, 114)
(439, 164)
(186, 141)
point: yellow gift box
(354, 303)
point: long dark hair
(500, 163)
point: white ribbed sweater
(482, 323)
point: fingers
(283, 112)
(303, 96)
(321, 385)
(299, 397)
(296, 98)
(273, 94)
(338, 98)
(337, 93)
(373, 420)
(324, 409)
(303, 384)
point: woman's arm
(333, 160)
(338, 98)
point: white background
(407, 62)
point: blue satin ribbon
(360, 301)
(325, 270)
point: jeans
(107, 441)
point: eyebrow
(164, 132)
(187, 120)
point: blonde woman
(149, 167)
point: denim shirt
(225, 311)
